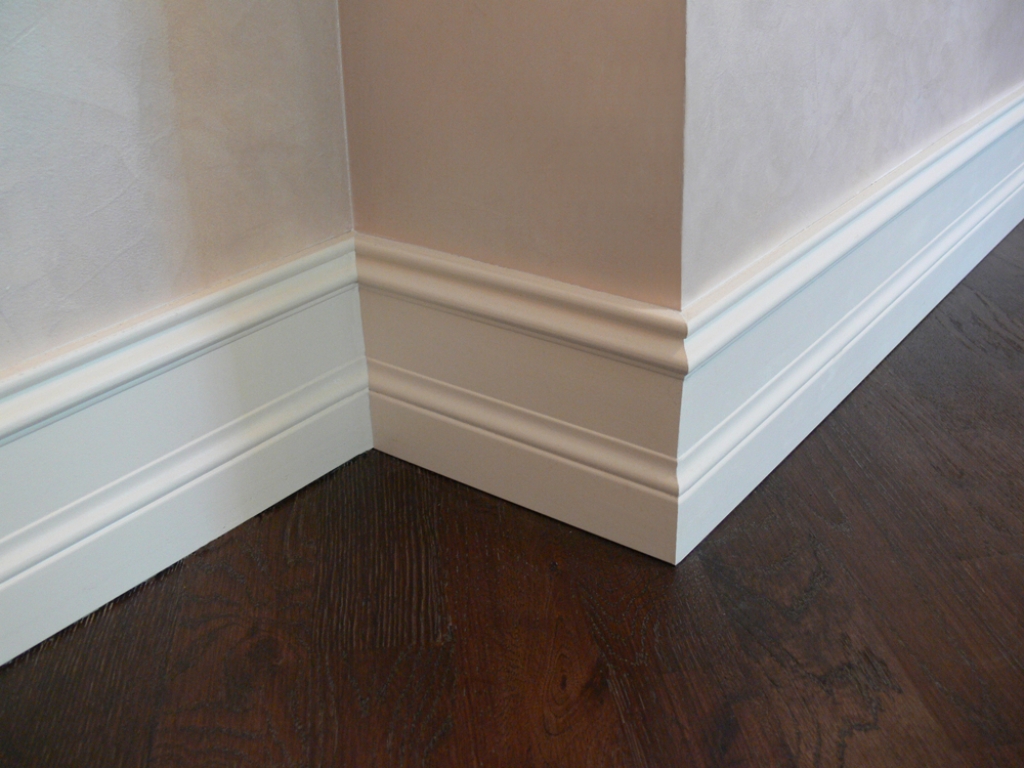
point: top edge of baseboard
(36, 394)
(624, 329)
(722, 315)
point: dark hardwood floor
(863, 607)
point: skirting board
(641, 424)
(648, 426)
(558, 398)
(776, 349)
(124, 455)
(576, 475)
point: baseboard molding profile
(126, 455)
(617, 489)
(648, 426)
(641, 424)
(612, 326)
(776, 351)
(558, 398)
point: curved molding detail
(41, 392)
(622, 329)
(724, 314)
(748, 418)
(633, 463)
(65, 527)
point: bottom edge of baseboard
(76, 581)
(708, 502)
(594, 501)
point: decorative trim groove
(33, 396)
(78, 520)
(653, 471)
(713, 448)
(132, 452)
(727, 312)
(608, 505)
(612, 326)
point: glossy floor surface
(863, 607)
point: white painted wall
(151, 149)
(540, 136)
(792, 108)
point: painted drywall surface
(545, 137)
(150, 149)
(792, 108)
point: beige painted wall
(150, 149)
(545, 137)
(792, 108)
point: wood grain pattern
(863, 607)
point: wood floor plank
(534, 686)
(91, 694)
(995, 586)
(314, 634)
(839, 690)
(887, 520)
(568, 633)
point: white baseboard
(127, 454)
(773, 351)
(641, 424)
(558, 398)
(611, 487)
(581, 405)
